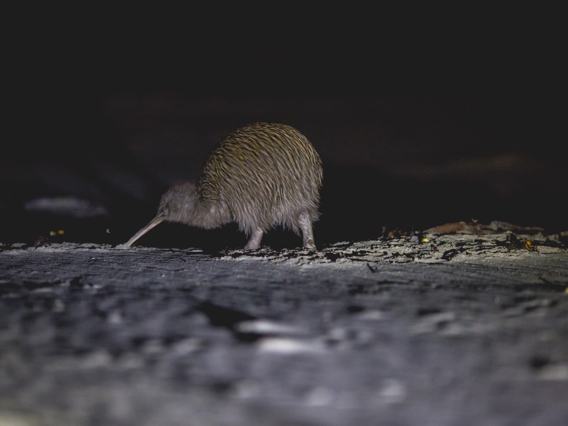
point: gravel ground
(429, 329)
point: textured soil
(424, 329)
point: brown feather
(259, 176)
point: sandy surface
(429, 329)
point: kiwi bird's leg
(156, 221)
(254, 241)
(305, 222)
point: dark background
(421, 116)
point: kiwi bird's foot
(254, 241)
(305, 223)
(310, 245)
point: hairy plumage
(259, 176)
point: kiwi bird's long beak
(154, 222)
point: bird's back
(265, 174)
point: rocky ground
(432, 329)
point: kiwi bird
(259, 176)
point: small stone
(319, 397)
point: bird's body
(260, 176)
